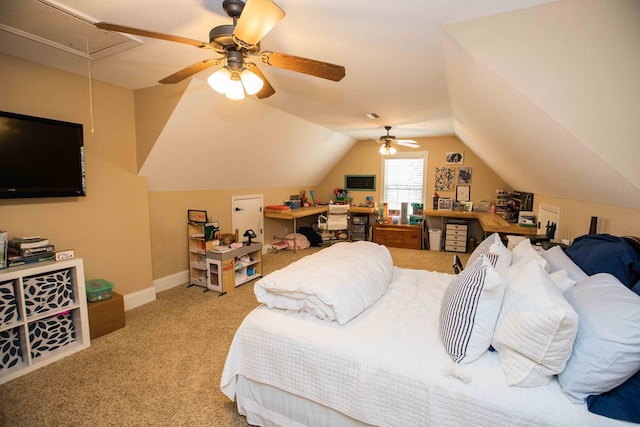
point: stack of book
(26, 250)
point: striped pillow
(495, 251)
(469, 311)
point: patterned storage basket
(51, 333)
(50, 291)
(8, 306)
(10, 351)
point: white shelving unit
(197, 255)
(43, 315)
(227, 270)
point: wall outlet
(286, 231)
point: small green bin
(98, 289)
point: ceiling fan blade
(190, 71)
(257, 18)
(152, 34)
(407, 143)
(303, 65)
(267, 90)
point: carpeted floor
(163, 368)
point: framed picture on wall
(454, 157)
(445, 204)
(463, 193)
(463, 176)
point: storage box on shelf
(43, 315)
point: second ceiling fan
(388, 141)
(237, 43)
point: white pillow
(524, 251)
(493, 248)
(558, 260)
(536, 328)
(607, 349)
(562, 280)
(469, 311)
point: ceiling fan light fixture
(387, 149)
(235, 90)
(251, 82)
(220, 80)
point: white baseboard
(141, 297)
(147, 295)
(171, 281)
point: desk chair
(336, 221)
(457, 264)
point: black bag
(314, 238)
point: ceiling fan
(237, 43)
(388, 141)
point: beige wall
(168, 213)
(575, 217)
(109, 228)
(364, 158)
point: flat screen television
(40, 157)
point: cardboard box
(106, 316)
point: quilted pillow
(469, 311)
(536, 328)
(607, 348)
(493, 248)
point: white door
(247, 215)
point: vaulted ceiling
(546, 93)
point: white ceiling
(545, 92)
(390, 49)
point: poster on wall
(445, 178)
(463, 176)
(454, 157)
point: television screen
(40, 157)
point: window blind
(403, 180)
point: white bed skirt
(268, 406)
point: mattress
(385, 367)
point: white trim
(139, 298)
(171, 281)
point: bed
(344, 338)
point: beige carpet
(163, 368)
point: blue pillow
(604, 253)
(620, 403)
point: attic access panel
(360, 182)
(48, 23)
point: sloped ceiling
(545, 92)
(549, 97)
(208, 143)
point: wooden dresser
(398, 235)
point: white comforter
(337, 283)
(387, 366)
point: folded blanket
(336, 283)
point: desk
(490, 222)
(294, 214)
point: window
(404, 178)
